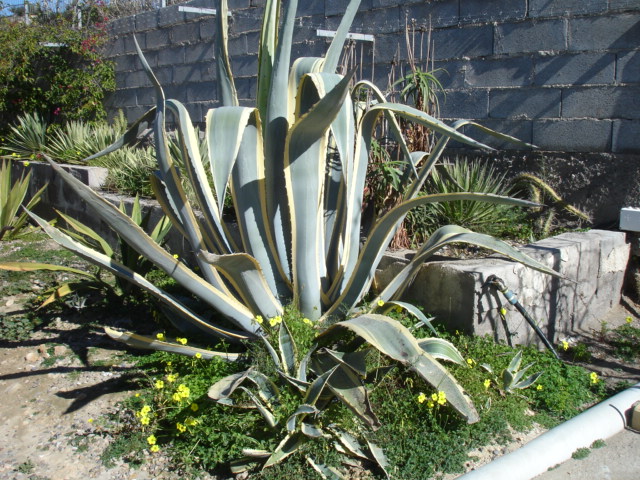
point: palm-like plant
(295, 166)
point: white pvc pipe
(558, 444)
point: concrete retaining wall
(592, 264)
(564, 75)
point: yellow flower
(183, 391)
(307, 321)
(539, 387)
(594, 378)
(471, 362)
(565, 345)
(442, 398)
(198, 355)
(145, 410)
(380, 303)
(182, 341)
(503, 311)
(487, 384)
(168, 364)
(629, 319)
(151, 439)
(154, 449)
(176, 256)
(275, 320)
(176, 397)
(430, 404)
(181, 428)
(159, 384)
(422, 397)
(190, 421)
(144, 420)
(137, 395)
(171, 377)
(90, 420)
(160, 336)
(259, 319)
(26, 164)
(194, 407)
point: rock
(10, 302)
(59, 350)
(32, 357)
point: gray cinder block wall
(562, 74)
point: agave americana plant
(295, 166)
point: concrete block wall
(592, 264)
(564, 75)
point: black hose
(513, 300)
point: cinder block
(200, 52)
(207, 28)
(604, 32)
(621, 102)
(437, 14)
(623, 5)
(122, 26)
(159, 38)
(172, 15)
(245, 65)
(137, 79)
(382, 20)
(243, 44)
(310, 7)
(573, 135)
(521, 103)
(387, 47)
(521, 37)
(476, 11)
(127, 63)
(171, 56)
(186, 73)
(199, 92)
(628, 67)
(164, 75)
(337, 7)
(146, 21)
(502, 72)
(575, 69)
(470, 103)
(187, 33)
(122, 98)
(451, 73)
(550, 8)
(455, 291)
(626, 136)
(473, 41)
(630, 219)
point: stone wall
(562, 74)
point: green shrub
(53, 68)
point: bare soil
(56, 385)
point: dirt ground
(56, 385)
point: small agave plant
(295, 166)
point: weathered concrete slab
(592, 263)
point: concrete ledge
(593, 264)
